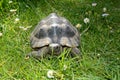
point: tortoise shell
(54, 29)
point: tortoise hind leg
(39, 53)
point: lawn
(100, 40)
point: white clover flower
(104, 9)
(13, 10)
(10, 2)
(105, 14)
(50, 73)
(1, 34)
(94, 4)
(78, 25)
(86, 20)
(17, 19)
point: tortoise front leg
(38, 53)
(76, 52)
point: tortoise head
(56, 48)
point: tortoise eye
(40, 34)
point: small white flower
(64, 67)
(104, 9)
(94, 4)
(98, 54)
(110, 28)
(29, 26)
(111, 31)
(21, 27)
(13, 10)
(105, 15)
(10, 2)
(1, 34)
(16, 20)
(50, 73)
(25, 29)
(78, 25)
(117, 58)
(86, 20)
(26, 5)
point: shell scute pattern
(54, 29)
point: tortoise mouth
(55, 48)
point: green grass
(100, 44)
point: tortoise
(53, 34)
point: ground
(99, 26)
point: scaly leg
(39, 53)
(76, 52)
